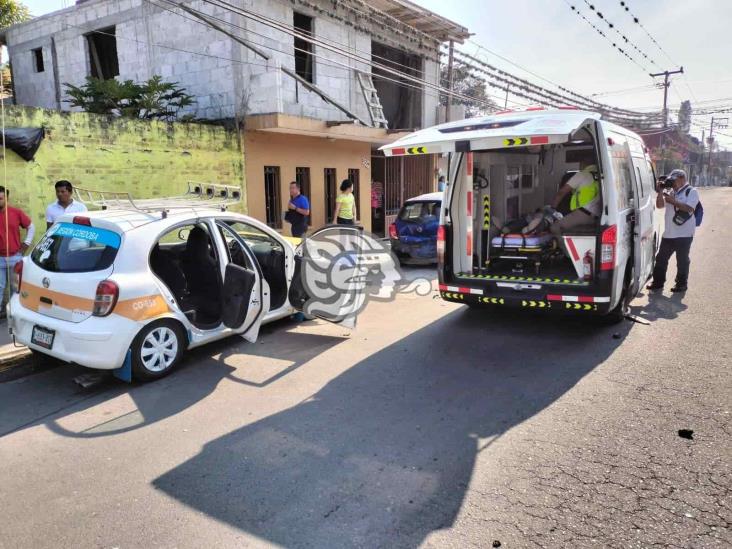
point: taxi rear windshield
(70, 248)
(418, 211)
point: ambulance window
(69, 248)
(512, 177)
(641, 183)
(623, 178)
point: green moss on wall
(147, 159)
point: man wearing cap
(680, 203)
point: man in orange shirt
(11, 247)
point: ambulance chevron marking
(515, 141)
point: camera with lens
(665, 183)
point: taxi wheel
(157, 349)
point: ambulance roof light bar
(199, 195)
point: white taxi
(116, 288)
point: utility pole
(450, 62)
(505, 106)
(721, 123)
(701, 160)
(666, 84)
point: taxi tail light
(105, 298)
(81, 220)
(607, 248)
(18, 276)
(441, 244)
(393, 231)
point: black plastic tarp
(24, 141)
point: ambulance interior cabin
(511, 233)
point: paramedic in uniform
(676, 237)
(585, 206)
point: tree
(466, 83)
(685, 117)
(12, 12)
(150, 100)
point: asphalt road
(430, 425)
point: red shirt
(16, 218)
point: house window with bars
(331, 192)
(272, 203)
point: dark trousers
(298, 229)
(341, 221)
(670, 246)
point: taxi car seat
(201, 271)
(168, 271)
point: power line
(625, 6)
(614, 28)
(637, 22)
(552, 97)
(335, 49)
(555, 84)
(605, 36)
(249, 62)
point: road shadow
(660, 306)
(46, 399)
(383, 454)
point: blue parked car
(414, 233)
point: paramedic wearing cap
(585, 206)
(65, 203)
(680, 204)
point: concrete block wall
(147, 159)
(222, 74)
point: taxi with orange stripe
(135, 289)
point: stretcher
(523, 249)
(521, 242)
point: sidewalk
(10, 355)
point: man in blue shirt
(298, 210)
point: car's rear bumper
(424, 251)
(94, 342)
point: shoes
(679, 289)
(654, 286)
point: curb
(12, 361)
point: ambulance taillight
(441, 244)
(105, 298)
(607, 248)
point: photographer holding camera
(680, 200)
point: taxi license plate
(43, 337)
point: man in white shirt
(65, 203)
(680, 204)
(585, 204)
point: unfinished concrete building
(316, 85)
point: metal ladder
(376, 111)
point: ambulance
(504, 169)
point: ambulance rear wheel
(157, 349)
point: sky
(548, 39)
